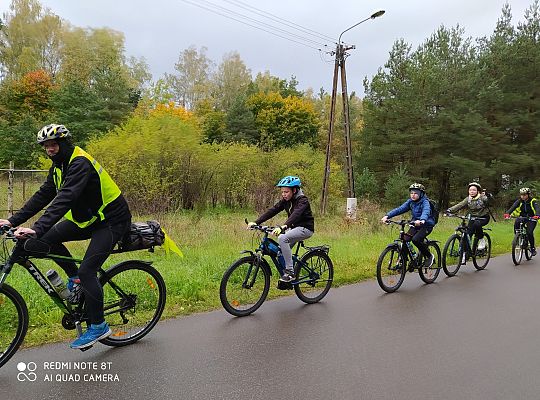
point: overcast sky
(160, 29)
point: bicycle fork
(252, 277)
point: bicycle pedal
(284, 285)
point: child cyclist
(524, 208)
(299, 225)
(477, 205)
(418, 205)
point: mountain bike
(134, 298)
(460, 246)
(520, 243)
(399, 257)
(245, 284)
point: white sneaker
(464, 259)
(288, 276)
(481, 244)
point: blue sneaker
(74, 286)
(91, 336)
(73, 282)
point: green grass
(212, 242)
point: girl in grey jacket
(477, 205)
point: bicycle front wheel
(244, 286)
(314, 276)
(390, 269)
(452, 255)
(481, 257)
(517, 249)
(134, 297)
(430, 274)
(527, 249)
(13, 322)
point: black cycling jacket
(527, 208)
(80, 193)
(298, 210)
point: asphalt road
(473, 336)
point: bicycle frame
(405, 246)
(264, 250)
(76, 311)
(461, 230)
(522, 230)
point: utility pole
(324, 197)
(346, 122)
(339, 68)
(341, 54)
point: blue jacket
(420, 210)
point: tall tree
(230, 81)
(191, 82)
(283, 122)
(30, 39)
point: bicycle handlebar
(467, 217)
(262, 228)
(526, 218)
(403, 222)
(9, 231)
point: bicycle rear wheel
(13, 322)
(244, 286)
(390, 269)
(314, 276)
(527, 252)
(452, 255)
(134, 297)
(481, 258)
(430, 274)
(517, 249)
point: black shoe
(533, 251)
(428, 261)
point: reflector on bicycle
(150, 283)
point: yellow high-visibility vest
(109, 190)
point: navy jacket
(420, 210)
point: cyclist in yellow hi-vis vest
(81, 191)
(523, 209)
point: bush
(366, 184)
(160, 162)
(396, 187)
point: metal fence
(18, 185)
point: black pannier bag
(142, 235)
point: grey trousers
(288, 240)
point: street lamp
(340, 64)
(373, 16)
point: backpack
(434, 210)
(142, 235)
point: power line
(243, 16)
(251, 25)
(280, 20)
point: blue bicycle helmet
(289, 181)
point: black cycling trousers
(418, 234)
(475, 227)
(530, 228)
(103, 237)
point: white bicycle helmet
(52, 131)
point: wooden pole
(10, 188)
(324, 197)
(346, 122)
